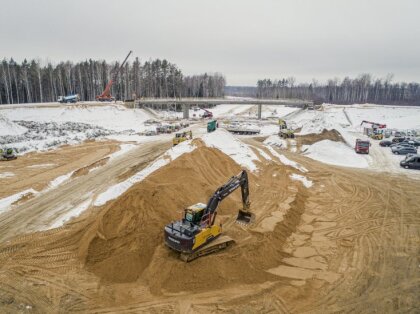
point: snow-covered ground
(336, 153)
(45, 127)
(234, 148)
(347, 120)
(110, 117)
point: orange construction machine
(106, 94)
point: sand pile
(121, 243)
(309, 139)
(126, 241)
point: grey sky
(244, 39)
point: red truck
(362, 146)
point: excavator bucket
(245, 218)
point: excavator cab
(194, 213)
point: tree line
(32, 81)
(362, 89)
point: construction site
(107, 209)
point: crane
(374, 124)
(207, 113)
(196, 234)
(106, 94)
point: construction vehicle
(284, 131)
(196, 234)
(375, 131)
(374, 125)
(362, 146)
(181, 137)
(211, 126)
(68, 99)
(207, 114)
(106, 94)
(7, 154)
(377, 136)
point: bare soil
(350, 243)
(309, 139)
(37, 170)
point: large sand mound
(127, 238)
(121, 243)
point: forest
(362, 89)
(34, 81)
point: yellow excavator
(196, 234)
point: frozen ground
(39, 128)
(336, 153)
(346, 120)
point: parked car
(397, 134)
(415, 143)
(401, 144)
(385, 143)
(411, 162)
(398, 139)
(404, 150)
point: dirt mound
(126, 241)
(312, 138)
(122, 242)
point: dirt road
(42, 211)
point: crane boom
(106, 94)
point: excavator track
(220, 243)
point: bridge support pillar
(259, 111)
(186, 111)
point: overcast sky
(244, 39)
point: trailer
(68, 99)
(243, 130)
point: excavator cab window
(193, 216)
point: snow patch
(73, 213)
(124, 148)
(307, 183)
(263, 154)
(59, 180)
(41, 166)
(275, 140)
(241, 153)
(6, 203)
(336, 153)
(8, 127)
(6, 175)
(286, 161)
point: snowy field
(347, 120)
(44, 127)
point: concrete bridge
(187, 102)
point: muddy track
(38, 212)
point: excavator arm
(240, 180)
